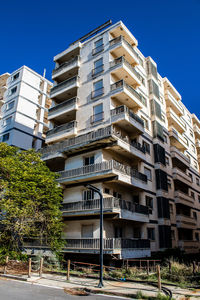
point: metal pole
(96, 190)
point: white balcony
(169, 87)
(72, 51)
(181, 176)
(65, 90)
(196, 131)
(61, 72)
(179, 156)
(177, 140)
(122, 30)
(184, 221)
(127, 120)
(126, 95)
(183, 198)
(61, 111)
(189, 246)
(173, 103)
(175, 121)
(120, 47)
(61, 132)
(121, 69)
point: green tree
(30, 201)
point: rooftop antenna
(44, 73)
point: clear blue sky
(32, 32)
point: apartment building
(116, 123)
(24, 108)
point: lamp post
(96, 190)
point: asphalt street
(15, 290)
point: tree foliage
(30, 201)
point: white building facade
(24, 111)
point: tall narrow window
(98, 67)
(89, 160)
(98, 46)
(97, 88)
(97, 113)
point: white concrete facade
(131, 136)
(24, 111)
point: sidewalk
(117, 288)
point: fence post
(127, 265)
(198, 267)
(194, 267)
(159, 277)
(41, 266)
(5, 268)
(148, 267)
(29, 268)
(68, 268)
(170, 267)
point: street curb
(13, 277)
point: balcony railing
(62, 105)
(121, 60)
(97, 117)
(65, 127)
(98, 49)
(104, 166)
(110, 202)
(89, 138)
(65, 64)
(108, 243)
(97, 93)
(123, 84)
(97, 70)
(120, 39)
(64, 84)
(124, 109)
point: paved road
(15, 290)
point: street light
(96, 190)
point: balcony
(177, 140)
(189, 246)
(121, 69)
(184, 221)
(86, 141)
(72, 51)
(196, 131)
(175, 121)
(198, 145)
(169, 87)
(127, 120)
(110, 170)
(173, 103)
(61, 132)
(61, 71)
(65, 90)
(111, 206)
(139, 247)
(181, 176)
(179, 158)
(122, 30)
(127, 95)
(120, 47)
(183, 198)
(62, 110)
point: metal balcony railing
(108, 243)
(123, 84)
(97, 117)
(109, 202)
(62, 105)
(104, 166)
(65, 64)
(97, 70)
(124, 109)
(97, 93)
(120, 39)
(64, 84)
(121, 60)
(98, 49)
(65, 127)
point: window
(191, 133)
(196, 236)
(153, 88)
(136, 233)
(146, 123)
(89, 160)
(5, 137)
(98, 67)
(188, 158)
(165, 138)
(169, 183)
(146, 146)
(192, 195)
(97, 88)
(147, 172)
(195, 165)
(7, 121)
(193, 148)
(191, 176)
(189, 118)
(15, 76)
(97, 113)
(197, 181)
(167, 160)
(199, 198)
(10, 105)
(98, 46)
(195, 215)
(13, 90)
(88, 195)
(151, 234)
(171, 208)
(117, 195)
(172, 234)
(149, 203)
(87, 231)
(106, 191)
